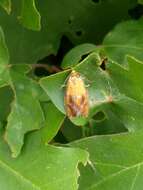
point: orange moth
(76, 96)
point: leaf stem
(49, 68)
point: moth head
(74, 74)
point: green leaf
(116, 162)
(104, 93)
(92, 74)
(25, 107)
(128, 79)
(70, 131)
(40, 167)
(129, 107)
(58, 19)
(1, 125)
(53, 121)
(6, 97)
(6, 4)
(53, 86)
(140, 1)
(109, 125)
(4, 60)
(74, 56)
(30, 17)
(125, 39)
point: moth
(76, 96)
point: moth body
(76, 96)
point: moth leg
(64, 84)
(87, 85)
(85, 78)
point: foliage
(41, 42)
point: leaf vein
(123, 46)
(16, 173)
(109, 164)
(115, 174)
(134, 181)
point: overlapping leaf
(40, 167)
(110, 124)
(125, 39)
(30, 17)
(104, 90)
(140, 1)
(6, 97)
(53, 121)
(79, 20)
(128, 79)
(24, 110)
(6, 4)
(116, 162)
(25, 106)
(75, 55)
